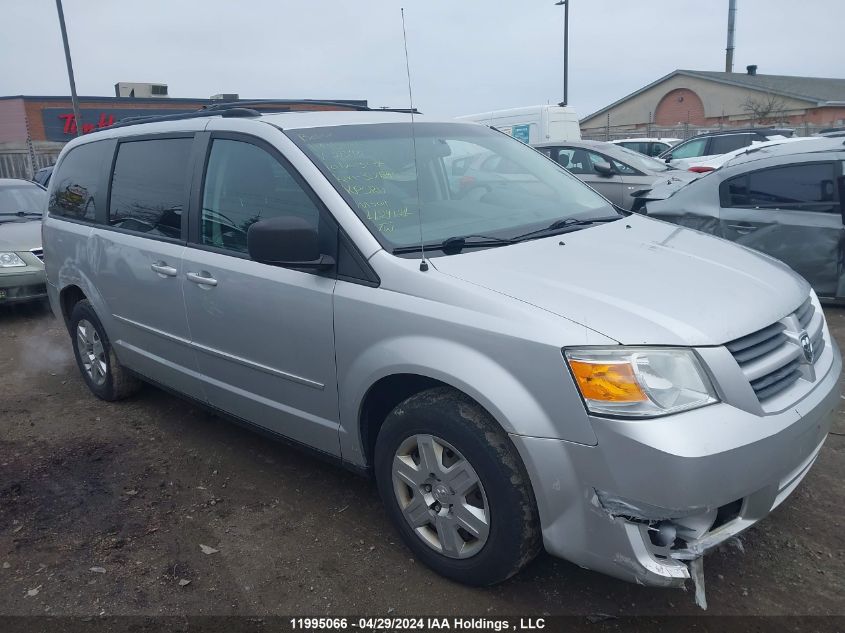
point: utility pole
(76, 114)
(729, 51)
(565, 5)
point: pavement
(153, 506)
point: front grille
(38, 252)
(772, 358)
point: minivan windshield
(22, 202)
(463, 180)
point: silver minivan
(521, 369)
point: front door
(791, 212)
(263, 334)
(581, 163)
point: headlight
(10, 260)
(640, 382)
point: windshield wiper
(454, 245)
(564, 226)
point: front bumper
(26, 283)
(599, 504)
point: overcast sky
(466, 56)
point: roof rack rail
(295, 102)
(239, 109)
(196, 114)
(281, 102)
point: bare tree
(766, 109)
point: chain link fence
(682, 131)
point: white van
(533, 124)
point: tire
(105, 376)
(497, 523)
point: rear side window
(75, 182)
(690, 150)
(244, 184)
(149, 186)
(637, 146)
(576, 160)
(729, 143)
(808, 187)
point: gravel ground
(112, 508)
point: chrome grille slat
(771, 358)
(775, 376)
(777, 387)
(805, 313)
(755, 351)
(754, 339)
(771, 362)
(38, 252)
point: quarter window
(245, 184)
(149, 186)
(75, 183)
(729, 143)
(809, 187)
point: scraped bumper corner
(644, 513)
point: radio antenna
(423, 263)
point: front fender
(506, 396)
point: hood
(666, 188)
(640, 281)
(20, 236)
(676, 177)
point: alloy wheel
(91, 352)
(441, 496)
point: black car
(719, 142)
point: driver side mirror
(668, 157)
(604, 169)
(286, 241)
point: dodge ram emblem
(807, 346)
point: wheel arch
(69, 296)
(382, 377)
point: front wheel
(456, 489)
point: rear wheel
(104, 375)
(456, 489)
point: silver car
(783, 199)
(520, 369)
(22, 205)
(618, 173)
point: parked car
(647, 146)
(615, 172)
(705, 146)
(784, 200)
(715, 162)
(527, 367)
(22, 205)
(42, 176)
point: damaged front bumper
(654, 495)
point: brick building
(33, 129)
(705, 100)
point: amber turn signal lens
(610, 382)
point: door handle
(163, 269)
(202, 279)
(742, 228)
